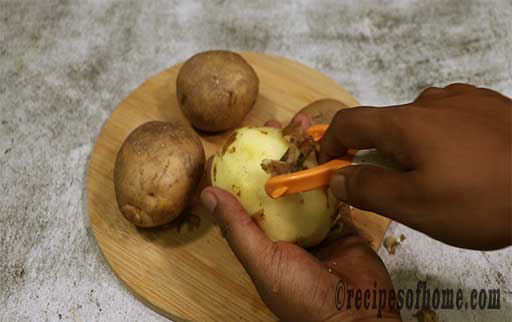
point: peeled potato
(157, 169)
(304, 219)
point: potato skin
(323, 110)
(216, 89)
(156, 171)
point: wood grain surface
(186, 270)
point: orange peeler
(319, 176)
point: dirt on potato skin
(215, 90)
(157, 169)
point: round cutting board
(186, 270)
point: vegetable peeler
(319, 176)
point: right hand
(455, 144)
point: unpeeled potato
(157, 169)
(304, 218)
(322, 111)
(216, 89)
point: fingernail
(339, 186)
(209, 200)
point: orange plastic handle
(305, 180)
(310, 179)
(317, 131)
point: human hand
(295, 284)
(455, 143)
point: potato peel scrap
(391, 243)
(342, 223)
(300, 151)
(426, 314)
(293, 133)
(274, 167)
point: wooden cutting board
(187, 271)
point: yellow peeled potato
(304, 219)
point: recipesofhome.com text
(421, 297)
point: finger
(205, 180)
(360, 128)
(385, 191)
(247, 240)
(273, 123)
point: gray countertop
(65, 65)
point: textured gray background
(65, 65)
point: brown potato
(156, 171)
(216, 89)
(323, 110)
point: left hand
(295, 284)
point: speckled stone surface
(65, 65)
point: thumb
(246, 239)
(382, 190)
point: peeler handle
(319, 176)
(305, 180)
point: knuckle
(276, 262)
(246, 221)
(394, 122)
(347, 115)
(431, 91)
(274, 257)
(340, 116)
(243, 223)
(489, 93)
(275, 254)
(459, 87)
